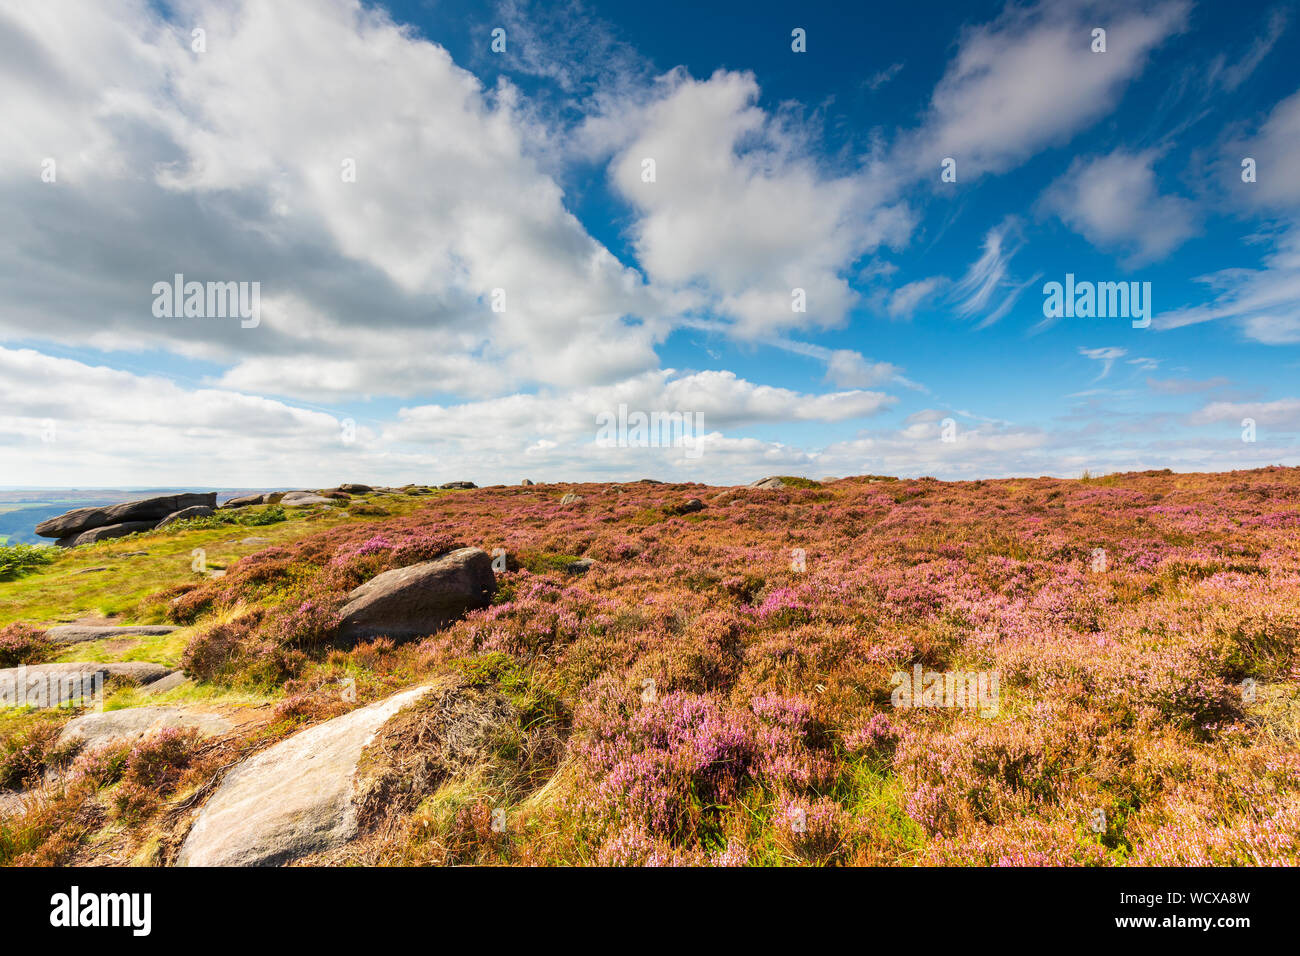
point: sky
(824, 239)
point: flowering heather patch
(715, 687)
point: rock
(581, 566)
(163, 684)
(570, 499)
(525, 482)
(689, 506)
(272, 497)
(105, 533)
(458, 484)
(301, 499)
(355, 489)
(649, 481)
(149, 509)
(292, 799)
(417, 491)
(772, 482)
(336, 495)
(132, 723)
(243, 501)
(194, 511)
(77, 633)
(417, 600)
(47, 685)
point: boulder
(526, 482)
(105, 533)
(570, 499)
(417, 600)
(355, 489)
(292, 799)
(581, 566)
(194, 511)
(148, 509)
(771, 482)
(243, 501)
(690, 506)
(77, 633)
(301, 499)
(132, 723)
(457, 484)
(48, 685)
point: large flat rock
(292, 799)
(77, 633)
(48, 685)
(418, 600)
(147, 509)
(105, 532)
(133, 723)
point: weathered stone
(77, 633)
(301, 499)
(355, 489)
(148, 509)
(457, 484)
(771, 482)
(420, 599)
(133, 723)
(570, 499)
(526, 482)
(581, 566)
(105, 533)
(194, 511)
(47, 685)
(689, 506)
(163, 684)
(243, 501)
(292, 799)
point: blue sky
(376, 355)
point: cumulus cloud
(1113, 201)
(738, 211)
(171, 160)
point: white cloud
(1029, 80)
(737, 210)
(229, 163)
(1107, 356)
(1113, 201)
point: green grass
(55, 593)
(18, 559)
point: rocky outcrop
(301, 499)
(105, 533)
(194, 511)
(133, 723)
(48, 685)
(292, 799)
(451, 485)
(153, 510)
(77, 633)
(771, 482)
(418, 600)
(244, 501)
(526, 481)
(570, 499)
(355, 489)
